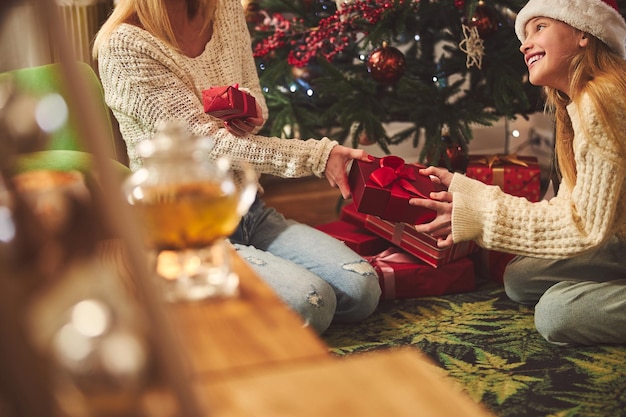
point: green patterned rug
(489, 344)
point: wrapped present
(228, 102)
(385, 186)
(356, 238)
(515, 175)
(350, 214)
(491, 263)
(420, 245)
(404, 276)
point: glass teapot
(189, 204)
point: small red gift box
(383, 188)
(228, 102)
(356, 238)
(404, 276)
(421, 245)
(515, 175)
(351, 215)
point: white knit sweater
(574, 221)
(147, 83)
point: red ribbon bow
(393, 170)
(382, 261)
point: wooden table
(254, 330)
(251, 356)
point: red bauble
(457, 156)
(484, 20)
(386, 64)
(451, 155)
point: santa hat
(600, 18)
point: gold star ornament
(473, 46)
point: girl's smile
(548, 50)
(531, 59)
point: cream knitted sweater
(147, 83)
(572, 222)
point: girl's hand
(441, 226)
(438, 175)
(336, 167)
(242, 127)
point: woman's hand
(242, 127)
(441, 203)
(337, 164)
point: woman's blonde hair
(600, 73)
(152, 16)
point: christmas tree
(346, 69)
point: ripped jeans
(315, 274)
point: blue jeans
(581, 300)
(315, 274)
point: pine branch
(439, 88)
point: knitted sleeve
(146, 83)
(570, 223)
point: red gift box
(404, 276)
(515, 175)
(351, 215)
(228, 102)
(383, 188)
(356, 238)
(421, 245)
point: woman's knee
(359, 293)
(316, 307)
(367, 297)
(309, 296)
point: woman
(155, 57)
(572, 249)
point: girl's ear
(583, 41)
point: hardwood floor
(308, 200)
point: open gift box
(228, 102)
(384, 187)
(420, 245)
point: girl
(155, 57)
(572, 248)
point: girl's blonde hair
(152, 16)
(600, 73)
